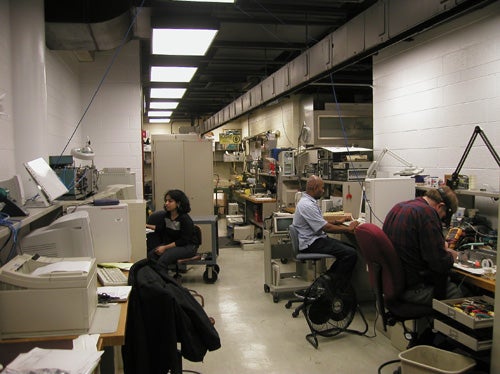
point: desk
(476, 280)
(255, 209)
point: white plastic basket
(424, 359)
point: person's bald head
(315, 186)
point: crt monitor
(281, 223)
(68, 236)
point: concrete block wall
(431, 92)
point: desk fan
(329, 308)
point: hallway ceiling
(255, 39)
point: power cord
(6, 221)
(386, 364)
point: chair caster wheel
(295, 313)
(288, 305)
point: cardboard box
(243, 232)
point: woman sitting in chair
(176, 231)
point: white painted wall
(430, 93)
(113, 122)
(7, 166)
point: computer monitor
(281, 223)
(67, 236)
(327, 205)
(46, 180)
(15, 188)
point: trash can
(424, 359)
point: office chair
(387, 280)
(328, 308)
(153, 240)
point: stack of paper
(52, 361)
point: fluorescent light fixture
(163, 105)
(159, 120)
(160, 113)
(167, 93)
(210, 1)
(172, 73)
(183, 42)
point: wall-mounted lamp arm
(409, 169)
(453, 182)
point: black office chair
(153, 240)
(387, 280)
(302, 257)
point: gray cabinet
(185, 163)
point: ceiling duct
(99, 36)
(384, 23)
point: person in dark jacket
(416, 231)
(175, 231)
(160, 314)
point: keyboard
(111, 277)
(360, 220)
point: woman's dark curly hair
(183, 205)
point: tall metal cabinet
(184, 162)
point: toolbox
(466, 320)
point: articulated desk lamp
(409, 170)
(453, 182)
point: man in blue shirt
(312, 229)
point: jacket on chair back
(161, 313)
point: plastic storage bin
(424, 359)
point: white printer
(42, 296)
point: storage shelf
(494, 195)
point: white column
(29, 83)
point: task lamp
(84, 153)
(409, 170)
(454, 180)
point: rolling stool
(303, 257)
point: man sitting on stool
(312, 229)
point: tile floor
(260, 336)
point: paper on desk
(121, 292)
(86, 342)
(56, 360)
(119, 265)
(63, 266)
(476, 271)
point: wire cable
(6, 221)
(379, 371)
(106, 72)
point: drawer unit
(477, 340)
(449, 309)
(466, 320)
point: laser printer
(44, 296)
